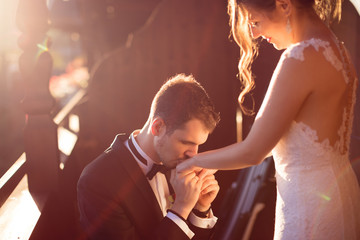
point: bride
(305, 119)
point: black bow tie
(155, 168)
(164, 170)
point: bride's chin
(278, 47)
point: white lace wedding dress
(317, 192)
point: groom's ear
(158, 127)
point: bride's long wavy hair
(327, 10)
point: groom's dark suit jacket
(116, 201)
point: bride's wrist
(194, 160)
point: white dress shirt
(160, 188)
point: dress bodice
(300, 136)
(318, 195)
(300, 148)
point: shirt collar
(145, 167)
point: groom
(124, 193)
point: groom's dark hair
(181, 99)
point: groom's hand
(209, 190)
(187, 187)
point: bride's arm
(288, 89)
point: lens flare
(325, 197)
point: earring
(288, 26)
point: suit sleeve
(202, 233)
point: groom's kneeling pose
(124, 193)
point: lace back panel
(297, 52)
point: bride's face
(271, 26)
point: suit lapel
(149, 209)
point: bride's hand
(188, 166)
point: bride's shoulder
(306, 60)
(313, 54)
(309, 48)
(314, 50)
